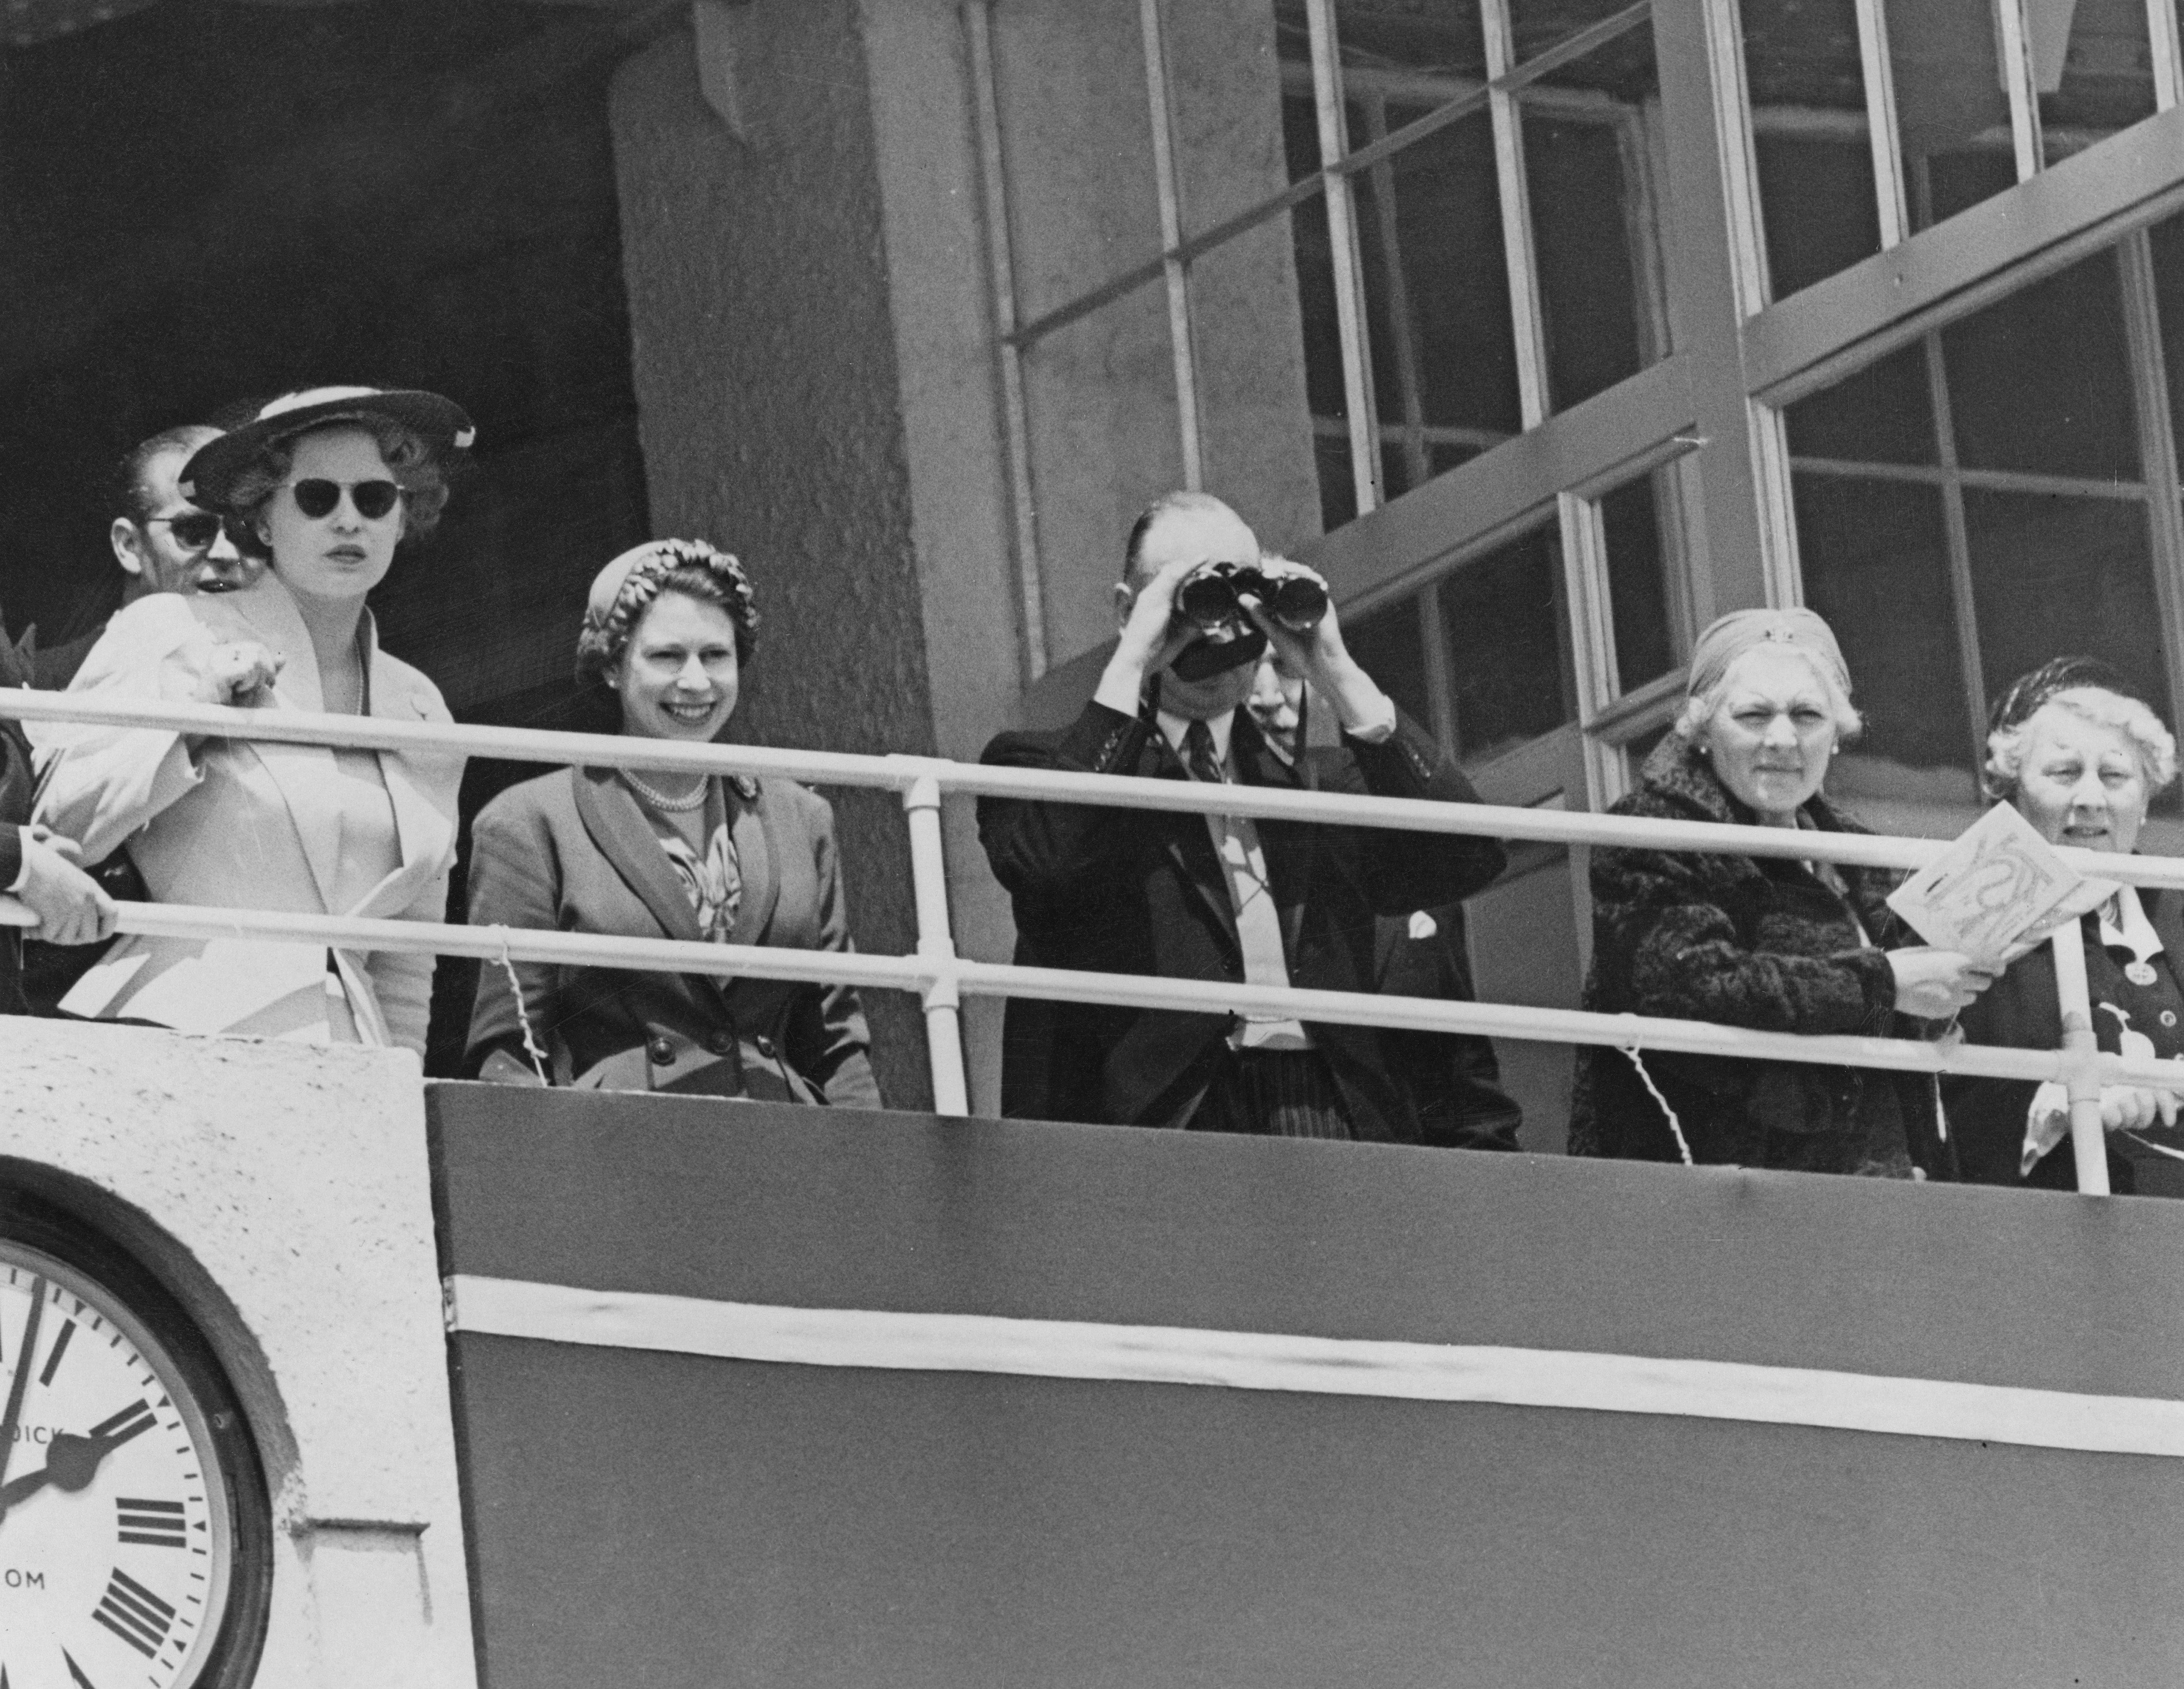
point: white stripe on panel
(1329, 1366)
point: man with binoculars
(1218, 898)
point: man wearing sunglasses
(1221, 898)
(163, 544)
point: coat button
(661, 1052)
(719, 1042)
(764, 1046)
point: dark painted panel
(749, 1202)
(669, 1521)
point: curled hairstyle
(2152, 743)
(689, 567)
(410, 460)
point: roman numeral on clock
(157, 1524)
(133, 1613)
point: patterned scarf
(714, 883)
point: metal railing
(940, 979)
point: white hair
(2153, 746)
(1702, 707)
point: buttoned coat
(2020, 1011)
(249, 824)
(571, 851)
(1141, 891)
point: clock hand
(14, 1420)
(72, 1460)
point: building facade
(1548, 329)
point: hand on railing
(71, 907)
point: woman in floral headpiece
(2080, 755)
(1771, 944)
(702, 858)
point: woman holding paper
(2080, 755)
(1770, 943)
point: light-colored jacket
(238, 824)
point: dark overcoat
(571, 851)
(1455, 1076)
(18, 791)
(1747, 942)
(1141, 891)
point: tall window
(1448, 213)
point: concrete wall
(281, 1191)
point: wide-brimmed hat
(209, 477)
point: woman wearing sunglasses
(323, 484)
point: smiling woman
(667, 630)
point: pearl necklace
(671, 805)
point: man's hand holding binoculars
(1192, 602)
(1317, 652)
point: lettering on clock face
(113, 1526)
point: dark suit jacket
(2020, 1011)
(1454, 1076)
(573, 851)
(18, 788)
(1140, 891)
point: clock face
(117, 1540)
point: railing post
(928, 874)
(2081, 1074)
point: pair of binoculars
(1212, 598)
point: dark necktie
(1198, 752)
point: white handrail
(924, 973)
(899, 774)
(941, 978)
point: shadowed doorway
(205, 202)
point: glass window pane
(1949, 100)
(1069, 81)
(1808, 127)
(1638, 582)
(2041, 380)
(1389, 645)
(1233, 148)
(1592, 216)
(1439, 316)
(1542, 23)
(2056, 576)
(1099, 402)
(1816, 200)
(1883, 414)
(1255, 430)
(1439, 36)
(1876, 560)
(2107, 71)
(1508, 648)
